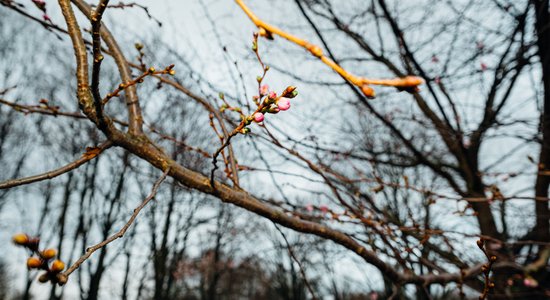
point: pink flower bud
(272, 95)
(264, 89)
(483, 66)
(309, 207)
(46, 17)
(530, 282)
(258, 117)
(283, 104)
(324, 209)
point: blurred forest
(145, 117)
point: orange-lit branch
(408, 82)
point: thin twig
(90, 250)
(86, 157)
(50, 111)
(291, 252)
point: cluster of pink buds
(42, 259)
(272, 103)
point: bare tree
(433, 187)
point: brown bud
(57, 266)
(21, 239)
(45, 277)
(480, 243)
(368, 91)
(289, 92)
(34, 262)
(49, 253)
(493, 258)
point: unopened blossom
(530, 282)
(40, 4)
(258, 117)
(272, 95)
(264, 89)
(483, 66)
(283, 104)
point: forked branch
(409, 83)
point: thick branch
(135, 118)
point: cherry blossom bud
(34, 262)
(264, 89)
(530, 282)
(21, 239)
(46, 17)
(324, 209)
(40, 4)
(273, 109)
(49, 253)
(57, 266)
(258, 117)
(483, 66)
(309, 207)
(283, 104)
(272, 95)
(289, 92)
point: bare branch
(63, 277)
(86, 157)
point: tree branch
(86, 157)
(63, 277)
